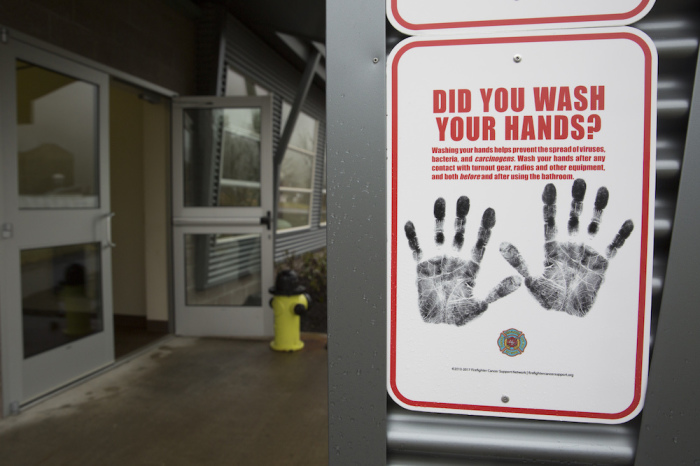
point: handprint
(573, 271)
(445, 283)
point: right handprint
(573, 271)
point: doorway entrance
(222, 215)
(84, 221)
(139, 182)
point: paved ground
(188, 402)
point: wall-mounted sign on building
(521, 174)
(452, 16)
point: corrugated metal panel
(298, 243)
(510, 441)
(319, 170)
(276, 121)
(676, 39)
(435, 439)
(229, 260)
(219, 259)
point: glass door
(55, 269)
(222, 213)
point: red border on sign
(639, 364)
(517, 21)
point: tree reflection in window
(239, 185)
(296, 173)
(222, 157)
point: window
(225, 174)
(296, 173)
(296, 178)
(237, 84)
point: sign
(453, 16)
(521, 171)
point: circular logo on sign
(512, 342)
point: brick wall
(151, 39)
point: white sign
(453, 16)
(521, 171)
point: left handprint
(446, 282)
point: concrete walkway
(187, 402)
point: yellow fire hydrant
(288, 304)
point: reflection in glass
(296, 172)
(305, 130)
(57, 140)
(222, 157)
(223, 270)
(322, 219)
(294, 208)
(237, 84)
(61, 296)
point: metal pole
(356, 234)
(670, 428)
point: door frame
(223, 320)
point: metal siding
(299, 243)
(228, 260)
(430, 439)
(435, 435)
(319, 169)
(276, 121)
(669, 431)
(356, 231)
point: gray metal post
(670, 428)
(356, 235)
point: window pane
(222, 157)
(296, 170)
(240, 175)
(61, 296)
(237, 84)
(294, 208)
(57, 140)
(223, 270)
(305, 134)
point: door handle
(266, 220)
(108, 217)
(7, 230)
